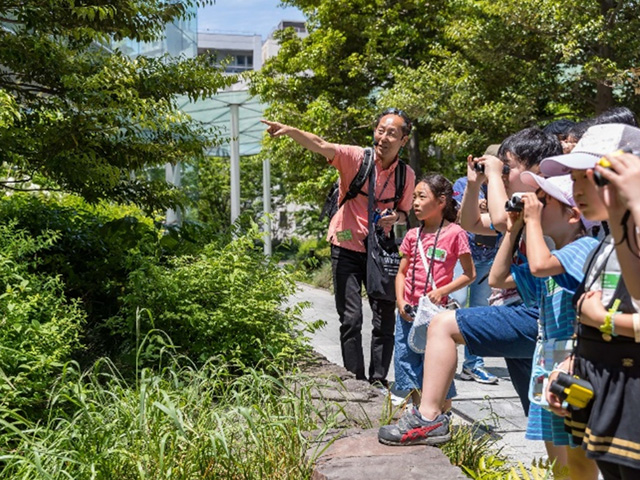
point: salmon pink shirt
(352, 220)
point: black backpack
(331, 205)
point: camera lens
(409, 310)
(478, 167)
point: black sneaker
(412, 429)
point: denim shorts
(507, 332)
(407, 364)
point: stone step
(359, 456)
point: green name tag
(440, 255)
(344, 235)
(610, 281)
(552, 286)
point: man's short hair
(530, 146)
(407, 124)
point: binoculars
(479, 167)
(515, 203)
(573, 390)
(410, 310)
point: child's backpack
(331, 205)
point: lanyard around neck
(415, 261)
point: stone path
(496, 406)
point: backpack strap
(355, 187)
(400, 180)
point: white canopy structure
(235, 115)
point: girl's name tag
(439, 256)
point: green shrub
(312, 253)
(39, 327)
(97, 248)
(322, 277)
(226, 301)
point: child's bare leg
(581, 467)
(559, 455)
(440, 361)
(416, 397)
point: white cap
(597, 141)
(560, 188)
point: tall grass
(177, 422)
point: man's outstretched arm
(308, 140)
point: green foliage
(211, 193)
(227, 300)
(537, 471)
(472, 449)
(39, 325)
(469, 72)
(502, 66)
(178, 422)
(96, 249)
(313, 252)
(81, 115)
(96, 246)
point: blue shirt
(557, 316)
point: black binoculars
(515, 203)
(410, 310)
(479, 167)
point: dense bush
(39, 326)
(225, 301)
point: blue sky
(245, 16)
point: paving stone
(359, 456)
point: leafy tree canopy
(79, 115)
(470, 72)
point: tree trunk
(413, 146)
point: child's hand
(592, 312)
(493, 166)
(435, 296)
(515, 221)
(532, 211)
(555, 404)
(473, 176)
(624, 178)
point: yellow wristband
(607, 327)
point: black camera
(410, 310)
(515, 203)
(479, 167)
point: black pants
(614, 471)
(349, 274)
